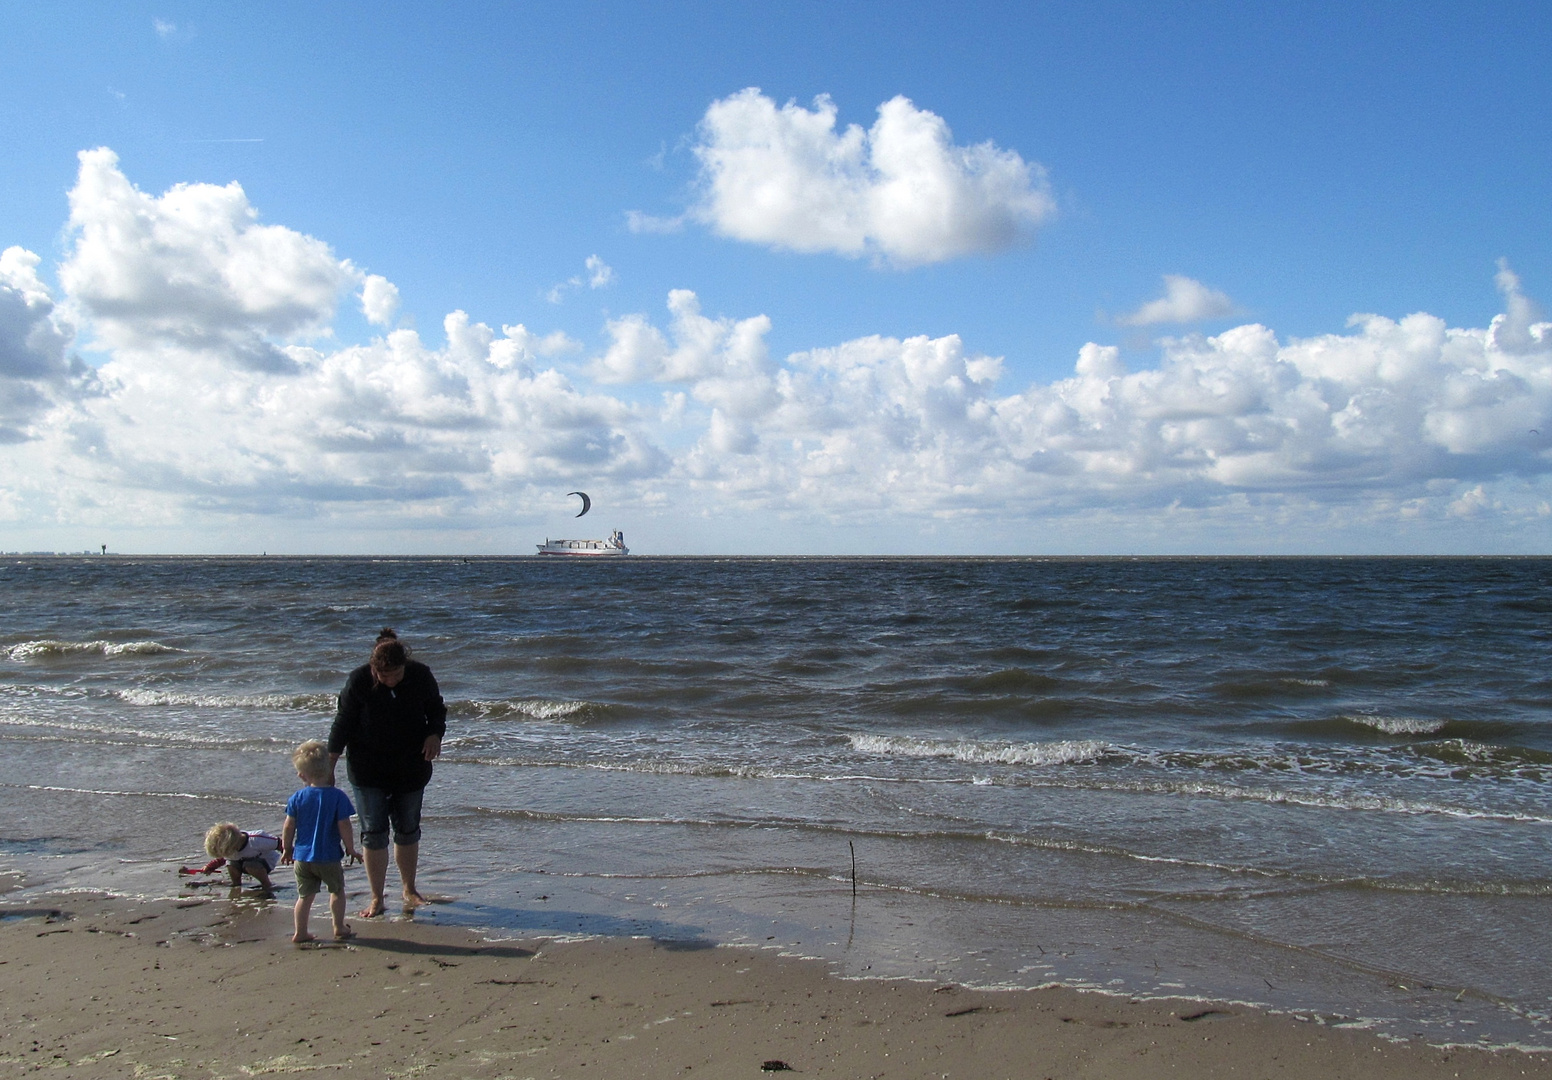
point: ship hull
(582, 548)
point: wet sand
(211, 987)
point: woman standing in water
(389, 728)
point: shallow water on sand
(1317, 784)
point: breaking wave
(1398, 725)
(527, 709)
(37, 650)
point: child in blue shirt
(317, 838)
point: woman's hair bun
(389, 655)
(387, 634)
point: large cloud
(36, 370)
(394, 420)
(213, 398)
(901, 191)
(193, 269)
(1396, 416)
(1389, 421)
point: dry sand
(210, 987)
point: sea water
(1317, 785)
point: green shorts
(311, 875)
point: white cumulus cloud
(901, 191)
(1185, 300)
(379, 300)
(193, 269)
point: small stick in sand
(853, 866)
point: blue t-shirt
(318, 812)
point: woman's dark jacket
(382, 732)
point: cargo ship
(615, 545)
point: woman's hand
(433, 747)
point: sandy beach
(210, 987)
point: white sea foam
(34, 650)
(667, 767)
(110, 733)
(1398, 725)
(16, 691)
(201, 796)
(1324, 800)
(983, 752)
(304, 702)
(551, 710)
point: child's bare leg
(304, 907)
(263, 878)
(337, 911)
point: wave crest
(35, 650)
(527, 709)
(284, 702)
(1398, 725)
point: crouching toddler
(252, 853)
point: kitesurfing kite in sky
(587, 504)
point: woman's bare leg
(407, 858)
(376, 860)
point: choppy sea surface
(1318, 785)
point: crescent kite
(587, 504)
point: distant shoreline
(530, 557)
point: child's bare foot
(302, 939)
(344, 933)
(413, 900)
(373, 910)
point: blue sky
(1294, 165)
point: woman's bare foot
(302, 939)
(373, 910)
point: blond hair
(311, 760)
(224, 840)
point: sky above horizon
(1056, 278)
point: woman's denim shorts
(378, 809)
